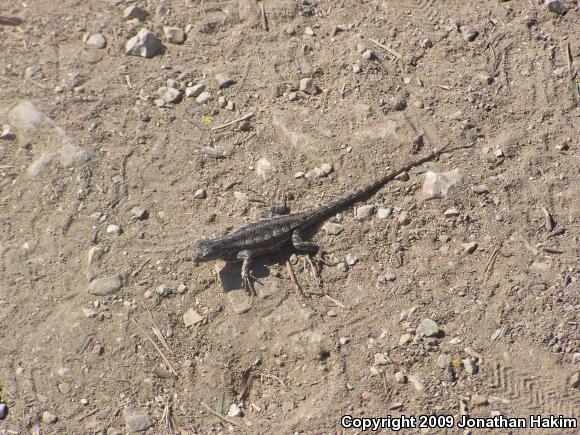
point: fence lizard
(268, 235)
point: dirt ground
(494, 263)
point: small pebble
(451, 212)
(97, 40)
(131, 12)
(403, 176)
(444, 361)
(342, 267)
(84, 401)
(400, 378)
(113, 229)
(191, 317)
(428, 328)
(299, 175)
(90, 312)
(224, 80)
(356, 69)
(174, 35)
(3, 411)
(331, 313)
(234, 411)
(381, 359)
(307, 85)
(137, 419)
(404, 218)
(384, 213)
(182, 289)
(7, 133)
(470, 366)
(390, 276)
(332, 229)
(557, 7)
(364, 211)
(48, 418)
(200, 194)
(163, 291)
(479, 189)
(105, 286)
(203, 98)
(194, 91)
(308, 31)
(32, 71)
(351, 259)
(368, 55)
(144, 44)
(169, 95)
(575, 380)
(139, 213)
(469, 247)
(343, 340)
(470, 34)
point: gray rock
(182, 289)
(444, 361)
(90, 312)
(342, 267)
(224, 80)
(132, 12)
(400, 378)
(479, 189)
(327, 168)
(575, 380)
(97, 40)
(332, 229)
(343, 340)
(364, 211)
(105, 286)
(114, 229)
(137, 419)
(451, 212)
(390, 276)
(203, 98)
(144, 44)
(25, 115)
(31, 71)
(174, 35)
(470, 34)
(384, 213)
(428, 328)
(194, 91)
(469, 247)
(163, 291)
(368, 55)
(49, 418)
(470, 366)
(139, 213)
(7, 133)
(381, 359)
(307, 85)
(556, 7)
(3, 411)
(351, 259)
(234, 411)
(169, 95)
(200, 194)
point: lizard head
(206, 250)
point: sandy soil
(91, 146)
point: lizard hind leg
(310, 247)
(247, 257)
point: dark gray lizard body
(268, 235)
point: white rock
(351, 259)
(234, 411)
(131, 12)
(307, 85)
(364, 211)
(48, 417)
(97, 40)
(31, 71)
(169, 95)
(137, 419)
(428, 328)
(264, 168)
(384, 213)
(451, 212)
(113, 229)
(332, 229)
(90, 312)
(144, 44)
(200, 194)
(224, 80)
(327, 168)
(405, 339)
(194, 91)
(7, 133)
(191, 317)
(203, 98)
(174, 35)
(400, 378)
(469, 247)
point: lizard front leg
(247, 257)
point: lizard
(269, 235)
